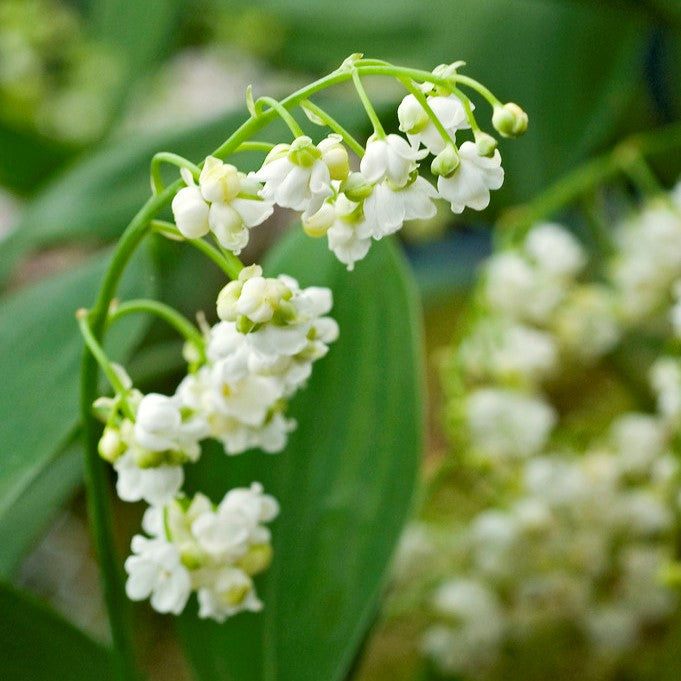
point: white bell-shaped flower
(296, 177)
(190, 211)
(391, 158)
(157, 485)
(231, 591)
(420, 129)
(344, 235)
(155, 570)
(470, 184)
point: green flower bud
(335, 156)
(412, 116)
(145, 458)
(509, 120)
(446, 162)
(110, 445)
(257, 560)
(191, 556)
(303, 152)
(356, 187)
(236, 594)
(486, 143)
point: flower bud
(485, 143)
(303, 152)
(258, 559)
(318, 224)
(412, 116)
(509, 120)
(219, 181)
(190, 212)
(227, 300)
(446, 162)
(191, 556)
(110, 445)
(335, 156)
(356, 187)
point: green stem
(332, 123)
(466, 102)
(103, 361)
(173, 159)
(169, 314)
(368, 106)
(423, 101)
(254, 146)
(480, 89)
(283, 113)
(515, 223)
(227, 265)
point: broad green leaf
(344, 482)
(38, 645)
(40, 353)
(24, 522)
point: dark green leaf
(38, 645)
(23, 523)
(40, 351)
(345, 481)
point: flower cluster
(194, 546)
(353, 207)
(253, 360)
(575, 524)
(243, 370)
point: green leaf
(27, 519)
(345, 482)
(139, 35)
(28, 158)
(40, 353)
(38, 645)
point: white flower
(505, 423)
(554, 250)
(156, 570)
(586, 323)
(159, 426)
(421, 130)
(471, 182)
(190, 211)
(226, 202)
(516, 289)
(391, 158)
(230, 592)
(345, 234)
(156, 485)
(296, 177)
(387, 208)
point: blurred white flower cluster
(259, 354)
(575, 524)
